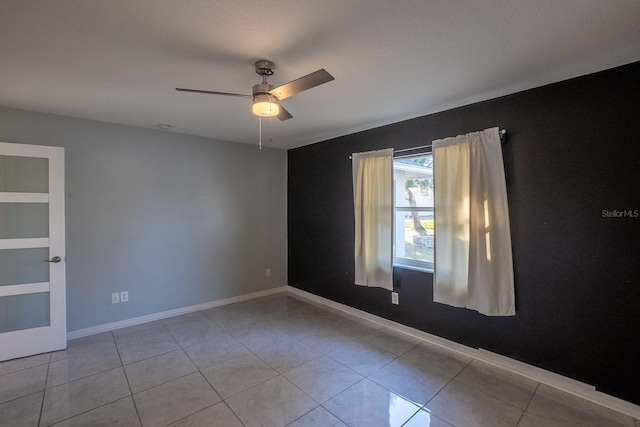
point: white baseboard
(560, 382)
(79, 333)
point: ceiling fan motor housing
(264, 67)
(262, 88)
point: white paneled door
(32, 260)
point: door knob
(55, 259)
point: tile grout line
(233, 412)
(281, 374)
(198, 370)
(96, 373)
(24, 369)
(442, 388)
(484, 392)
(88, 410)
(46, 378)
(303, 392)
(335, 415)
(124, 371)
(353, 340)
(222, 399)
(528, 404)
(43, 391)
(87, 375)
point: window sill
(413, 267)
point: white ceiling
(120, 60)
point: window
(413, 209)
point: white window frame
(399, 261)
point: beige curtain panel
(373, 209)
(473, 259)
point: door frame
(53, 337)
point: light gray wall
(176, 220)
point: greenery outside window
(414, 234)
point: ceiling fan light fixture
(264, 105)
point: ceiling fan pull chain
(260, 132)
(270, 140)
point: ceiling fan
(266, 97)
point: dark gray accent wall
(572, 152)
(176, 220)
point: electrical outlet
(115, 298)
(394, 298)
(124, 296)
(268, 272)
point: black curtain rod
(502, 132)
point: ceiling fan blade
(303, 83)
(283, 114)
(179, 89)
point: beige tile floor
(275, 361)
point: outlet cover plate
(115, 298)
(394, 298)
